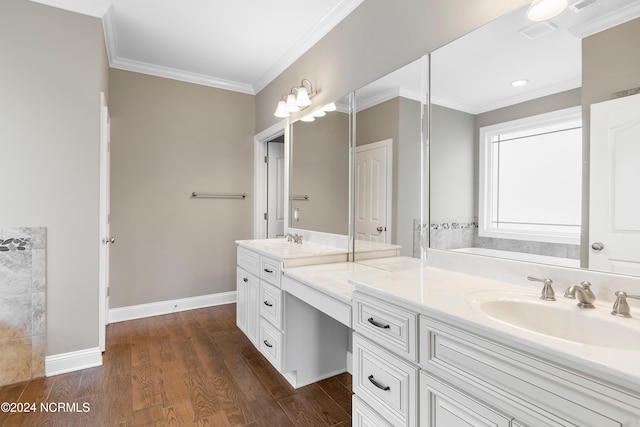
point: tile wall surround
(22, 303)
(448, 235)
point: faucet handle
(547, 291)
(621, 306)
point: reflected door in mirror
(615, 179)
(373, 191)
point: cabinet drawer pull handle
(377, 324)
(377, 384)
(267, 343)
(245, 280)
(268, 304)
(266, 270)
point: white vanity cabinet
(471, 379)
(259, 302)
(385, 373)
(302, 331)
(416, 366)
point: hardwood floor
(189, 368)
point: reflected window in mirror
(530, 178)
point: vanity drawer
(271, 304)
(249, 260)
(389, 325)
(270, 270)
(385, 382)
(364, 416)
(271, 344)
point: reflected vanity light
(297, 99)
(521, 82)
(541, 10)
(321, 112)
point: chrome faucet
(547, 291)
(297, 238)
(621, 306)
(583, 293)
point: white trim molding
(165, 307)
(72, 361)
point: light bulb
(302, 98)
(291, 105)
(280, 110)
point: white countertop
(334, 279)
(281, 248)
(456, 297)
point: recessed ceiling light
(517, 83)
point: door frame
(260, 176)
(103, 263)
(388, 144)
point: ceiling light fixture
(517, 83)
(541, 10)
(297, 99)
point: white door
(373, 191)
(105, 236)
(614, 203)
(275, 189)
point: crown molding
(95, 8)
(606, 21)
(181, 75)
(102, 9)
(317, 32)
(384, 96)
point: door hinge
(266, 216)
(266, 159)
(108, 290)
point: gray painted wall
(320, 169)
(397, 119)
(168, 139)
(54, 67)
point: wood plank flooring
(193, 368)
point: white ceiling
(239, 45)
(473, 74)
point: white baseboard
(72, 361)
(165, 307)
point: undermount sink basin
(560, 319)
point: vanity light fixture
(541, 10)
(297, 99)
(308, 118)
(517, 83)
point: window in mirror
(530, 178)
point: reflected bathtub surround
(448, 235)
(22, 303)
(453, 234)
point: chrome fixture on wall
(298, 99)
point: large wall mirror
(510, 136)
(319, 170)
(389, 148)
